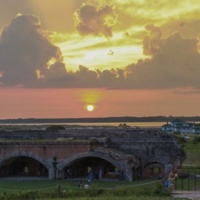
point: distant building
(181, 126)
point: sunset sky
(121, 57)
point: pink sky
(70, 103)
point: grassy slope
(192, 152)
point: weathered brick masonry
(128, 152)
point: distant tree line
(101, 120)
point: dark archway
(153, 169)
(95, 167)
(22, 166)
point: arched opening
(154, 169)
(22, 166)
(136, 173)
(91, 167)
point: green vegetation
(69, 189)
(192, 154)
(134, 197)
(196, 139)
(186, 183)
(102, 119)
(191, 146)
(55, 128)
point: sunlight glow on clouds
(99, 52)
(114, 44)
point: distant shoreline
(163, 119)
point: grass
(186, 184)
(192, 153)
(191, 164)
(42, 185)
(192, 150)
(70, 190)
(119, 198)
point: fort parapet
(122, 153)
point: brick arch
(154, 162)
(148, 168)
(24, 154)
(73, 158)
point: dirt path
(195, 195)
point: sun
(90, 108)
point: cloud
(111, 52)
(28, 58)
(25, 52)
(188, 28)
(95, 20)
(175, 62)
(126, 35)
(152, 40)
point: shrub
(161, 190)
(196, 140)
(55, 128)
(182, 140)
(176, 133)
(20, 196)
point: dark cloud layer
(28, 58)
(25, 50)
(96, 21)
(174, 62)
(152, 40)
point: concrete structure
(120, 153)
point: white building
(181, 126)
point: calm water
(131, 124)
